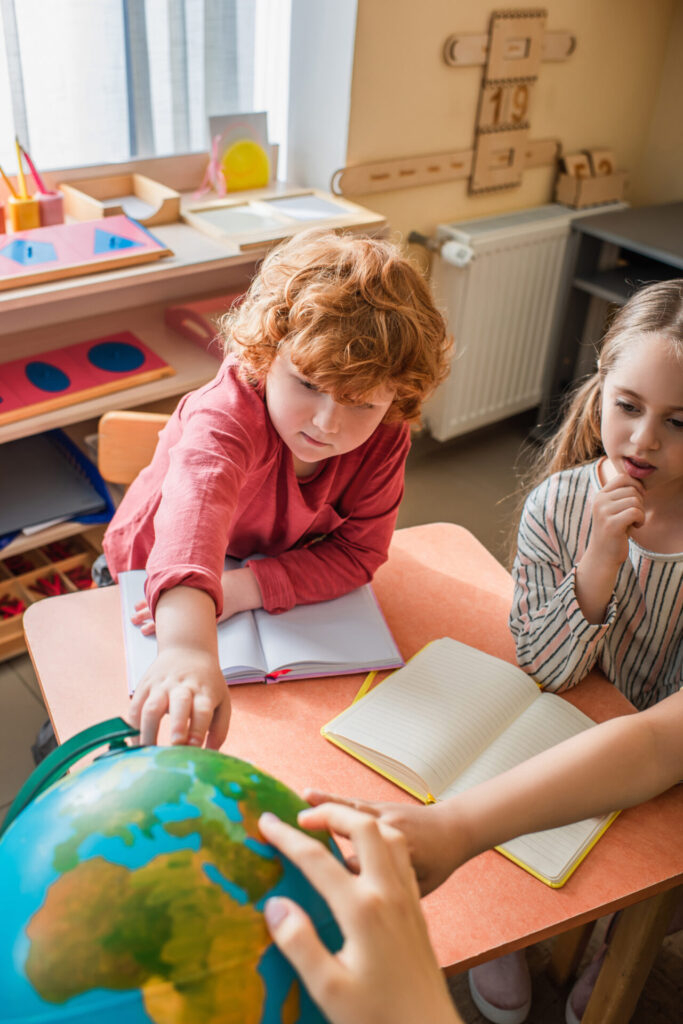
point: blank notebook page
(435, 716)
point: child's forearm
(186, 617)
(615, 765)
(595, 582)
(241, 592)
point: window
(106, 81)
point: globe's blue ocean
(133, 892)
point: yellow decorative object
(245, 165)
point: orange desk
(438, 581)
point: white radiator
(499, 307)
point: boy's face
(312, 425)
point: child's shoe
(501, 989)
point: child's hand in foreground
(435, 847)
(386, 972)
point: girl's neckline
(670, 555)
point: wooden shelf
(192, 364)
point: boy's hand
(386, 971)
(617, 509)
(186, 683)
(435, 847)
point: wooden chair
(126, 443)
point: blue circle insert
(116, 356)
(46, 377)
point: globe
(133, 892)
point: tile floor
(473, 481)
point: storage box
(141, 198)
(66, 562)
(578, 192)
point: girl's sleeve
(555, 643)
(350, 555)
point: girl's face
(312, 425)
(642, 415)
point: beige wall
(659, 174)
(620, 89)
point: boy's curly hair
(353, 315)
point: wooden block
(504, 104)
(601, 161)
(577, 164)
(516, 46)
(498, 160)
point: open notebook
(454, 717)
(347, 634)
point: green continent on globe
(197, 960)
(181, 928)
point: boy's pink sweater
(222, 482)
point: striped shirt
(639, 646)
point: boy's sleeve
(350, 555)
(555, 642)
(205, 474)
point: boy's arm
(615, 765)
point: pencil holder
(24, 214)
(51, 208)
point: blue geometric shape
(23, 251)
(106, 242)
(116, 356)
(46, 376)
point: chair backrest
(126, 443)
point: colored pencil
(22, 179)
(8, 183)
(36, 177)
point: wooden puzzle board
(64, 376)
(67, 250)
